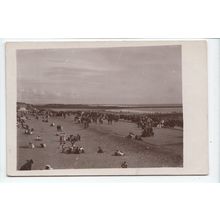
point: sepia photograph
(99, 108)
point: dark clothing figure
(124, 165)
(27, 165)
(100, 150)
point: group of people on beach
(145, 122)
(86, 117)
(63, 138)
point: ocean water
(129, 110)
(149, 110)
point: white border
(213, 53)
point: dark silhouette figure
(100, 150)
(124, 165)
(27, 165)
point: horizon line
(97, 104)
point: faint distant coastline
(97, 106)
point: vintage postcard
(107, 108)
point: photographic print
(94, 109)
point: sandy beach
(164, 149)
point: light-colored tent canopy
(22, 109)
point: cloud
(74, 72)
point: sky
(119, 75)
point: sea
(148, 110)
(135, 110)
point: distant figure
(38, 138)
(48, 167)
(100, 150)
(81, 150)
(62, 147)
(100, 120)
(124, 165)
(76, 151)
(147, 132)
(62, 139)
(59, 128)
(138, 137)
(28, 131)
(130, 135)
(27, 165)
(78, 137)
(118, 153)
(43, 145)
(31, 145)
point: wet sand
(164, 149)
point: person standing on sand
(100, 150)
(62, 147)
